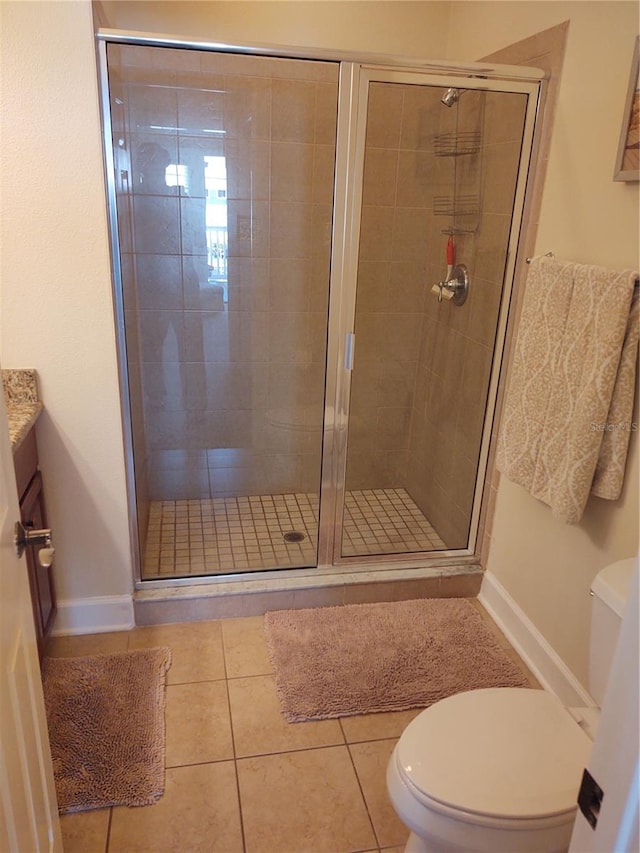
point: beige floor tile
(370, 760)
(88, 644)
(199, 812)
(303, 802)
(259, 726)
(85, 832)
(196, 649)
(377, 726)
(198, 723)
(245, 647)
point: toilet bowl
(510, 783)
(498, 770)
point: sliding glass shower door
(223, 168)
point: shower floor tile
(231, 535)
(385, 521)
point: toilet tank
(610, 590)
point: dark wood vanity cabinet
(32, 515)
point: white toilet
(498, 770)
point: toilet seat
(523, 740)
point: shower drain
(293, 536)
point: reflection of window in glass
(215, 181)
(176, 176)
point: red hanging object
(451, 252)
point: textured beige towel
(572, 384)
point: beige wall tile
(384, 116)
(375, 233)
(499, 172)
(415, 178)
(247, 163)
(323, 173)
(504, 116)
(423, 117)
(326, 109)
(247, 107)
(293, 110)
(380, 176)
(291, 230)
(291, 171)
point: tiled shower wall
(230, 393)
(457, 343)
(396, 209)
(422, 368)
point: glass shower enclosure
(301, 385)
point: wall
(55, 286)
(404, 28)
(546, 566)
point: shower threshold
(189, 538)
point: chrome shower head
(450, 97)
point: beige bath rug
(106, 726)
(363, 658)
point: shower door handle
(348, 350)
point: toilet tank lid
(611, 584)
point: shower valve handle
(456, 288)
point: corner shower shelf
(453, 231)
(456, 144)
(464, 205)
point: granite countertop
(22, 401)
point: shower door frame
(342, 338)
(356, 71)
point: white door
(29, 814)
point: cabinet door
(40, 578)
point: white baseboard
(552, 673)
(93, 615)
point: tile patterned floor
(228, 535)
(386, 521)
(239, 778)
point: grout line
(362, 794)
(225, 535)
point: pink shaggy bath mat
(367, 658)
(105, 715)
